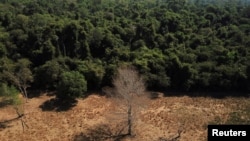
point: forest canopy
(186, 45)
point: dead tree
(20, 115)
(128, 93)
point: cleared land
(161, 119)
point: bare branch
(128, 94)
(19, 117)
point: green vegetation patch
(8, 95)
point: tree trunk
(130, 120)
(25, 94)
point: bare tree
(128, 93)
(18, 105)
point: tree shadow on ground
(4, 125)
(56, 104)
(102, 132)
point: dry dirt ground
(162, 119)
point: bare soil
(163, 118)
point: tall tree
(129, 91)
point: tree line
(73, 46)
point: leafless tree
(128, 94)
(19, 108)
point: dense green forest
(76, 45)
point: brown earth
(162, 119)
